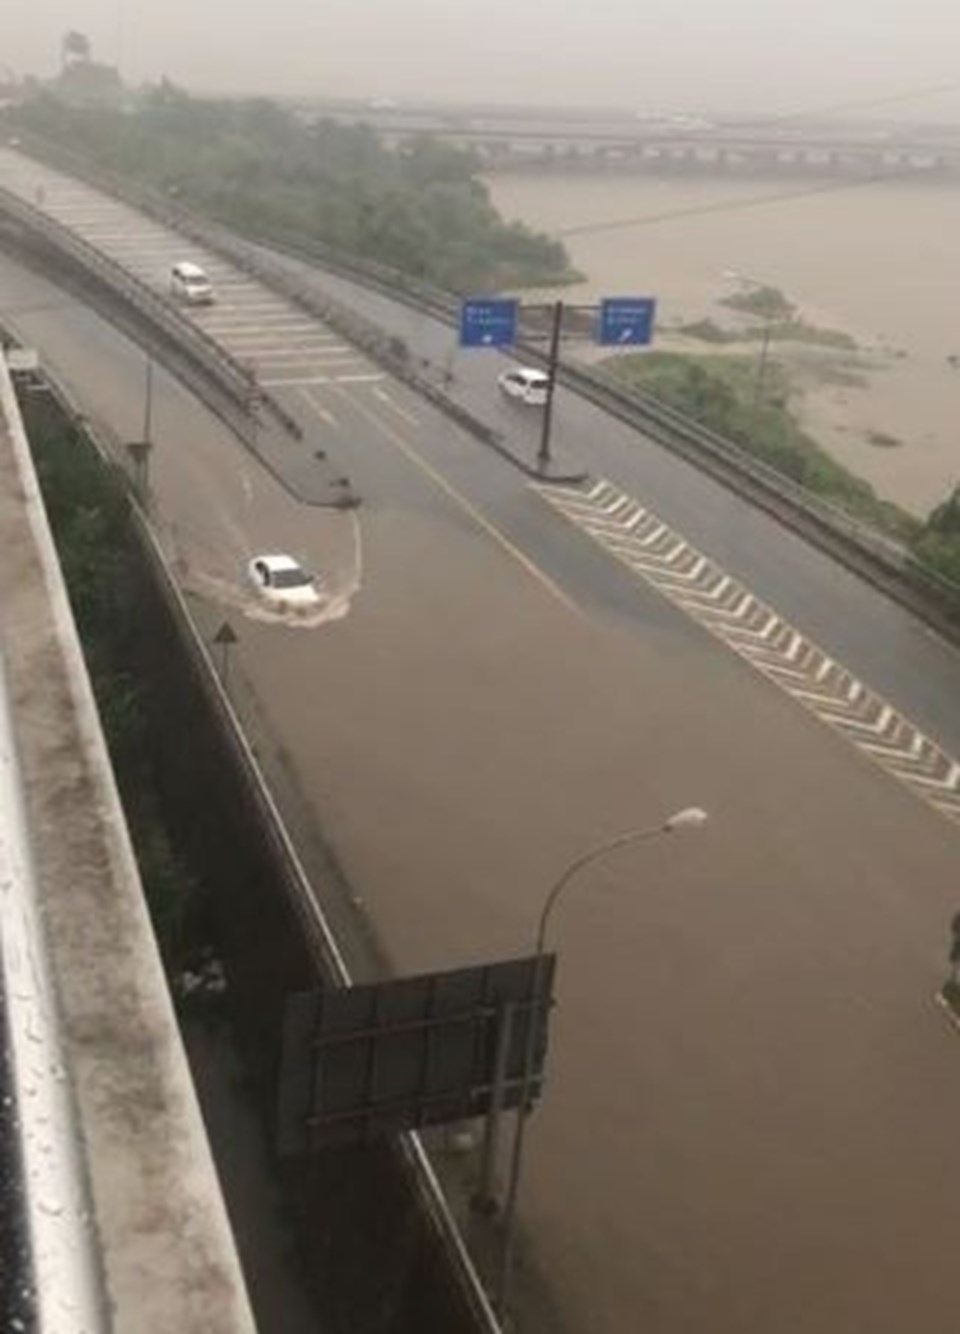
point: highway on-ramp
(750, 1122)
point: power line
(859, 104)
(781, 196)
(729, 205)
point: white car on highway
(525, 384)
(283, 582)
(190, 284)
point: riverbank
(871, 262)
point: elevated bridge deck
(108, 1185)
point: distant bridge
(510, 138)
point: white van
(190, 284)
(527, 384)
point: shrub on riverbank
(726, 394)
(938, 544)
(784, 331)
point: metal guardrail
(321, 935)
(218, 363)
(157, 312)
(59, 1276)
(318, 929)
(856, 543)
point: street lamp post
(690, 817)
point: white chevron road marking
(637, 538)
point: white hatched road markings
(640, 540)
(293, 333)
(296, 380)
(248, 319)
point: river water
(879, 260)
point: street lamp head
(691, 817)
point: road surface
(751, 1116)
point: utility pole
(543, 453)
(148, 403)
(762, 363)
(139, 450)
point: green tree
(257, 167)
(944, 521)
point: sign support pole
(484, 1200)
(543, 453)
(148, 402)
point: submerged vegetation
(726, 394)
(775, 320)
(938, 545)
(259, 168)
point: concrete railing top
(125, 1224)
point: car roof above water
(278, 562)
(187, 269)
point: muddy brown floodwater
(880, 260)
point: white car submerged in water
(283, 582)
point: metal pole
(148, 403)
(516, 1157)
(543, 453)
(448, 375)
(484, 1200)
(762, 364)
(682, 819)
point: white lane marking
(360, 379)
(244, 317)
(394, 406)
(255, 308)
(314, 403)
(265, 332)
(305, 356)
(449, 490)
(756, 633)
(276, 333)
(293, 381)
(288, 329)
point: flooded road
(750, 1122)
(880, 260)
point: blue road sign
(488, 322)
(627, 320)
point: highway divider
(149, 304)
(873, 555)
(376, 1228)
(224, 385)
(389, 352)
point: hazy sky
(714, 54)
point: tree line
(260, 168)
